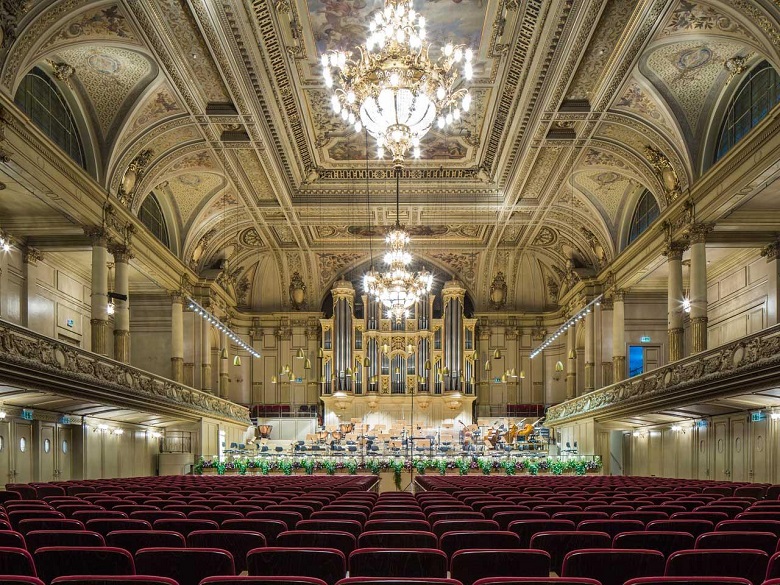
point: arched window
(758, 93)
(151, 216)
(645, 213)
(40, 99)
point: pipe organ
(370, 360)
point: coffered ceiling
(540, 178)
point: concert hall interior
(365, 233)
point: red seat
(26, 526)
(504, 519)
(19, 580)
(536, 581)
(237, 542)
(289, 518)
(377, 562)
(396, 581)
(266, 580)
(689, 581)
(558, 543)
(56, 561)
(442, 526)
(749, 526)
(394, 525)
(342, 541)
(87, 515)
(666, 542)
(748, 563)
(327, 564)
(16, 516)
(713, 517)
(765, 541)
(39, 538)
(215, 515)
(270, 529)
(468, 566)
(578, 516)
(339, 515)
(409, 515)
(186, 525)
(152, 515)
(449, 542)
(16, 561)
(611, 527)
(12, 539)
(397, 539)
(186, 566)
(525, 529)
(113, 580)
(643, 516)
(613, 566)
(693, 527)
(135, 540)
(106, 525)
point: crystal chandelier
(397, 288)
(395, 90)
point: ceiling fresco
(223, 110)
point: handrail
(612, 456)
(33, 360)
(726, 367)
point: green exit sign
(757, 416)
(27, 414)
(645, 339)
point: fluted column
(122, 256)
(618, 337)
(571, 362)
(99, 294)
(606, 351)
(205, 356)
(224, 360)
(674, 297)
(590, 360)
(698, 288)
(177, 337)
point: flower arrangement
(265, 467)
(485, 464)
(556, 467)
(329, 466)
(420, 465)
(221, 467)
(286, 466)
(198, 468)
(373, 465)
(308, 466)
(463, 465)
(397, 465)
(352, 466)
(441, 465)
(510, 466)
(241, 466)
(533, 468)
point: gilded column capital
(618, 296)
(97, 235)
(177, 296)
(606, 304)
(674, 250)
(32, 255)
(697, 232)
(121, 252)
(771, 251)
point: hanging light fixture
(307, 364)
(348, 372)
(223, 354)
(427, 365)
(394, 89)
(398, 289)
(299, 354)
(237, 360)
(274, 380)
(488, 367)
(385, 348)
(522, 374)
(320, 353)
(497, 354)
(409, 348)
(445, 371)
(366, 362)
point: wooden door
(739, 452)
(64, 469)
(652, 357)
(759, 448)
(5, 453)
(45, 450)
(721, 450)
(702, 452)
(22, 452)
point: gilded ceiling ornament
(132, 176)
(297, 292)
(665, 172)
(200, 248)
(62, 71)
(498, 291)
(736, 66)
(552, 289)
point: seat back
(667, 580)
(342, 541)
(185, 526)
(397, 539)
(106, 525)
(748, 563)
(270, 529)
(56, 561)
(525, 529)
(135, 540)
(394, 525)
(327, 564)
(748, 526)
(31, 524)
(16, 561)
(449, 542)
(765, 541)
(557, 544)
(613, 566)
(186, 566)
(39, 538)
(665, 541)
(352, 526)
(13, 539)
(468, 566)
(378, 562)
(113, 580)
(237, 542)
(442, 526)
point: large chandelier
(395, 90)
(397, 288)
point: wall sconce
(774, 415)
(5, 242)
(3, 413)
(678, 429)
(100, 428)
(110, 309)
(117, 431)
(155, 435)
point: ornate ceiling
(578, 106)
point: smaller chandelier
(395, 90)
(398, 289)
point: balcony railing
(42, 363)
(740, 366)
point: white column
(122, 256)
(698, 288)
(571, 362)
(205, 356)
(590, 363)
(618, 337)
(674, 297)
(224, 360)
(177, 337)
(99, 286)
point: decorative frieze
(57, 366)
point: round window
(64, 446)
(22, 444)
(46, 445)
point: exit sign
(27, 414)
(757, 416)
(645, 339)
